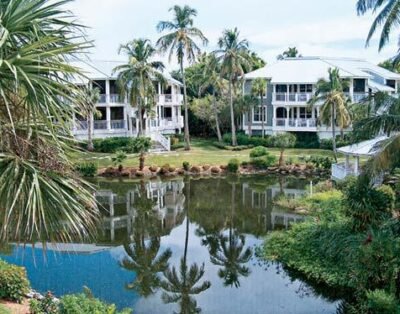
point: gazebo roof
(366, 148)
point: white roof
(366, 148)
(376, 87)
(311, 69)
(103, 69)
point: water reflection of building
(262, 197)
(120, 212)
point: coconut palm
(136, 77)
(289, 53)
(181, 40)
(387, 17)
(259, 89)
(181, 285)
(233, 54)
(245, 104)
(334, 104)
(40, 196)
(90, 97)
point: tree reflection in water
(181, 285)
(143, 259)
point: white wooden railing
(292, 97)
(295, 123)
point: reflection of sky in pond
(263, 291)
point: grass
(4, 310)
(202, 153)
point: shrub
(45, 306)
(320, 161)
(381, 302)
(307, 140)
(14, 283)
(245, 140)
(186, 165)
(177, 146)
(366, 205)
(263, 162)
(86, 169)
(112, 145)
(83, 304)
(233, 165)
(219, 145)
(258, 152)
(119, 159)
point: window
(102, 114)
(167, 112)
(117, 113)
(113, 87)
(306, 88)
(391, 83)
(359, 85)
(258, 115)
(101, 85)
(281, 88)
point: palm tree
(289, 53)
(40, 196)
(245, 105)
(387, 17)
(259, 89)
(181, 40)
(180, 287)
(90, 97)
(334, 103)
(217, 84)
(233, 54)
(136, 77)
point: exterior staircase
(160, 143)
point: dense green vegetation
(13, 282)
(350, 243)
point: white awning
(366, 148)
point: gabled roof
(366, 148)
(103, 69)
(311, 69)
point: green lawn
(3, 310)
(202, 153)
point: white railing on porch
(295, 123)
(292, 97)
(163, 140)
(340, 171)
(170, 99)
(81, 125)
(100, 125)
(117, 124)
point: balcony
(295, 123)
(168, 99)
(100, 125)
(103, 99)
(81, 125)
(292, 97)
(115, 98)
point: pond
(181, 245)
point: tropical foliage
(136, 77)
(181, 40)
(291, 52)
(40, 196)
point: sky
(316, 27)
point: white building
(291, 84)
(118, 118)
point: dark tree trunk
(187, 135)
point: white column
(108, 115)
(274, 115)
(347, 162)
(107, 91)
(357, 166)
(351, 90)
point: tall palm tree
(387, 17)
(233, 54)
(245, 104)
(217, 84)
(136, 77)
(329, 94)
(40, 196)
(259, 89)
(90, 97)
(180, 286)
(181, 40)
(291, 52)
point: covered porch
(295, 118)
(353, 154)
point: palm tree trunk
(281, 160)
(141, 161)
(250, 120)
(90, 133)
(262, 116)
(233, 129)
(334, 131)
(187, 135)
(216, 118)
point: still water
(181, 246)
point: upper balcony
(111, 99)
(170, 99)
(291, 97)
